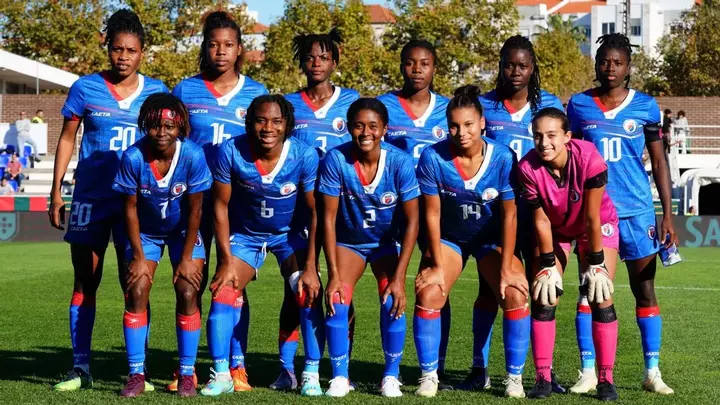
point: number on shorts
(471, 209)
(124, 138)
(612, 149)
(80, 214)
(266, 212)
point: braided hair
(303, 43)
(617, 41)
(286, 111)
(519, 42)
(465, 97)
(150, 115)
(212, 21)
(123, 21)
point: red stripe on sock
(516, 314)
(189, 323)
(286, 336)
(647, 312)
(228, 296)
(131, 320)
(426, 313)
(348, 289)
(585, 309)
(382, 285)
(80, 299)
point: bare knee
(513, 299)
(430, 297)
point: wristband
(595, 258)
(547, 259)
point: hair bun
(217, 15)
(335, 35)
(469, 90)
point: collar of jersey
(473, 181)
(370, 188)
(125, 103)
(270, 177)
(322, 112)
(165, 181)
(611, 114)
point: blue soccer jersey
(411, 133)
(514, 128)
(110, 127)
(619, 136)
(368, 213)
(322, 127)
(470, 204)
(214, 117)
(162, 201)
(263, 203)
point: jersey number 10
(612, 149)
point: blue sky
(270, 10)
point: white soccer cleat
(654, 383)
(390, 387)
(428, 385)
(514, 386)
(587, 381)
(339, 387)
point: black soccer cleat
(556, 387)
(477, 380)
(606, 391)
(541, 390)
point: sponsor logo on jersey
(574, 196)
(240, 113)
(178, 189)
(339, 125)
(145, 191)
(396, 133)
(496, 128)
(489, 194)
(300, 126)
(587, 127)
(450, 193)
(199, 111)
(607, 230)
(100, 114)
(287, 188)
(630, 126)
(388, 198)
(438, 133)
(651, 232)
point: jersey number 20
(124, 138)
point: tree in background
(467, 34)
(645, 75)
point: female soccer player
(218, 98)
(163, 177)
(320, 112)
(108, 103)
(467, 184)
(259, 179)
(371, 186)
(509, 109)
(564, 184)
(622, 122)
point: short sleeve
(126, 180)
(263, 90)
(163, 88)
(426, 173)
(177, 91)
(528, 184)
(405, 179)
(595, 163)
(200, 178)
(308, 176)
(331, 174)
(75, 103)
(653, 127)
(575, 125)
(224, 162)
(508, 177)
(556, 103)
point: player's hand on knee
(334, 287)
(137, 269)
(396, 289)
(510, 278)
(599, 285)
(547, 286)
(430, 276)
(308, 284)
(224, 276)
(190, 272)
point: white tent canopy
(20, 70)
(692, 180)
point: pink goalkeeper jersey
(562, 199)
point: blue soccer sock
(393, 331)
(484, 314)
(220, 328)
(583, 328)
(82, 320)
(516, 336)
(650, 323)
(337, 340)
(135, 330)
(187, 328)
(312, 325)
(241, 325)
(445, 322)
(426, 330)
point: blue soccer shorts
(638, 236)
(371, 254)
(91, 222)
(154, 247)
(253, 249)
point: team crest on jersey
(178, 189)
(438, 133)
(388, 198)
(651, 232)
(287, 188)
(339, 125)
(198, 241)
(574, 196)
(607, 230)
(630, 126)
(240, 113)
(489, 194)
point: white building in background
(21, 75)
(648, 20)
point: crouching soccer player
(370, 215)
(564, 182)
(163, 177)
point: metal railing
(689, 139)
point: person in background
(13, 171)
(666, 123)
(681, 132)
(5, 188)
(39, 117)
(23, 136)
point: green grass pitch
(35, 347)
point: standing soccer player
(259, 179)
(370, 215)
(163, 177)
(218, 99)
(564, 184)
(108, 104)
(468, 186)
(622, 122)
(509, 109)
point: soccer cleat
(218, 384)
(442, 384)
(541, 390)
(514, 386)
(587, 381)
(240, 379)
(477, 380)
(339, 387)
(134, 387)
(187, 386)
(310, 385)
(286, 381)
(428, 385)
(352, 386)
(173, 386)
(149, 387)
(74, 380)
(556, 387)
(606, 391)
(390, 387)
(654, 383)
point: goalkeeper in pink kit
(564, 182)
